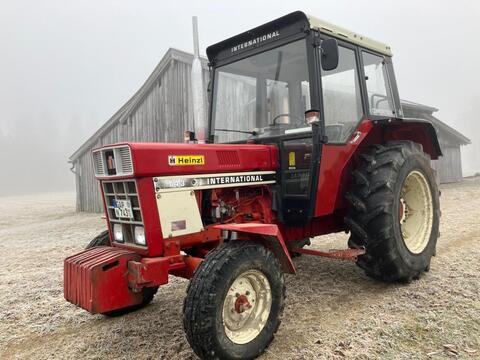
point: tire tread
(374, 185)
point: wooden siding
(88, 190)
(163, 114)
(449, 166)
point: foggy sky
(67, 66)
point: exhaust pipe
(197, 88)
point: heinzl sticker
(179, 160)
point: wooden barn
(162, 109)
(449, 166)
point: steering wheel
(274, 121)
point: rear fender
(419, 131)
(268, 235)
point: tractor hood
(159, 159)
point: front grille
(113, 161)
(123, 190)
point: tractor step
(345, 254)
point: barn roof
(412, 109)
(124, 112)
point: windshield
(262, 95)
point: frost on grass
(332, 309)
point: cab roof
(347, 35)
(288, 26)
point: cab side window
(378, 87)
(342, 100)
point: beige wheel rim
(247, 306)
(416, 212)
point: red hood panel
(153, 159)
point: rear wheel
(234, 302)
(394, 211)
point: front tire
(148, 295)
(234, 302)
(394, 211)
(102, 239)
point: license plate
(123, 209)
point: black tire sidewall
(267, 268)
(102, 239)
(416, 262)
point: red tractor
(306, 137)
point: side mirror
(312, 117)
(329, 54)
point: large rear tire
(234, 302)
(394, 211)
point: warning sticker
(291, 159)
(179, 160)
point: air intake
(125, 160)
(98, 164)
(113, 161)
(228, 158)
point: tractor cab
(299, 83)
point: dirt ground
(332, 309)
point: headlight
(140, 235)
(118, 232)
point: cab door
(299, 166)
(300, 153)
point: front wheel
(234, 302)
(148, 295)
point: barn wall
(449, 166)
(163, 115)
(88, 192)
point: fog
(67, 66)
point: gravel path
(333, 310)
